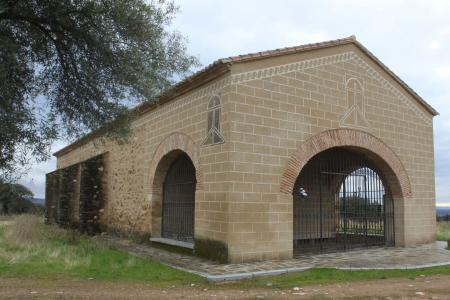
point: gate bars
(178, 204)
(341, 201)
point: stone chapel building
(263, 156)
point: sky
(411, 37)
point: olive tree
(72, 66)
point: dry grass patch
(29, 248)
(26, 237)
(27, 230)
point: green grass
(443, 231)
(28, 248)
(324, 276)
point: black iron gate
(179, 200)
(341, 202)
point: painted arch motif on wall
(354, 115)
(213, 132)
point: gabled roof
(223, 65)
(309, 47)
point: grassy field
(30, 249)
(443, 231)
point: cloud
(435, 45)
(411, 37)
(442, 72)
(439, 6)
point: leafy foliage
(15, 199)
(69, 67)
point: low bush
(16, 199)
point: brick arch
(166, 152)
(365, 143)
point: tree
(16, 199)
(71, 66)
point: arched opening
(342, 200)
(178, 204)
(169, 150)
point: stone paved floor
(375, 258)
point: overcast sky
(411, 37)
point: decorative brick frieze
(291, 67)
(167, 109)
(260, 74)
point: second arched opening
(342, 201)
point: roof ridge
(286, 50)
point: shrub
(16, 199)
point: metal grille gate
(179, 200)
(341, 202)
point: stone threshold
(173, 243)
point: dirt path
(432, 287)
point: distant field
(443, 231)
(442, 211)
(38, 201)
